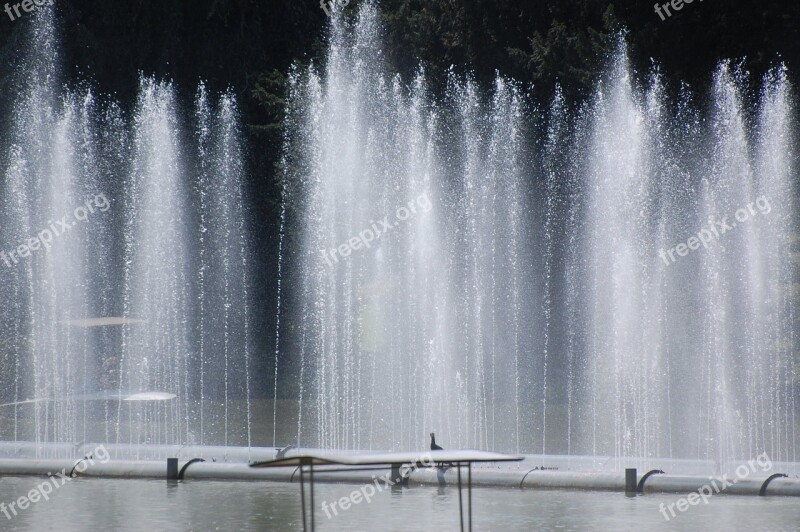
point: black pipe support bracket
(763, 491)
(640, 486)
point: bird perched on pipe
(434, 447)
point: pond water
(150, 505)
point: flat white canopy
(452, 458)
(359, 459)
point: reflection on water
(148, 505)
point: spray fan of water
(524, 288)
(164, 247)
(530, 309)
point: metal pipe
(763, 491)
(640, 487)
(488, 477)
(182, 472)
(570, 480)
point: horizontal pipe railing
(232, 463)
(484, 477)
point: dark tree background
(249, 45)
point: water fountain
(513, 278)
(557, 297)
(396, 338)
(139, 280)
(611, 281)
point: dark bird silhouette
(441, 465)
(434, 447)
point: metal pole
(303, 499)
(172, 469)
(311, 470)
(469, 492)
(630, 482)
(460, 504)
